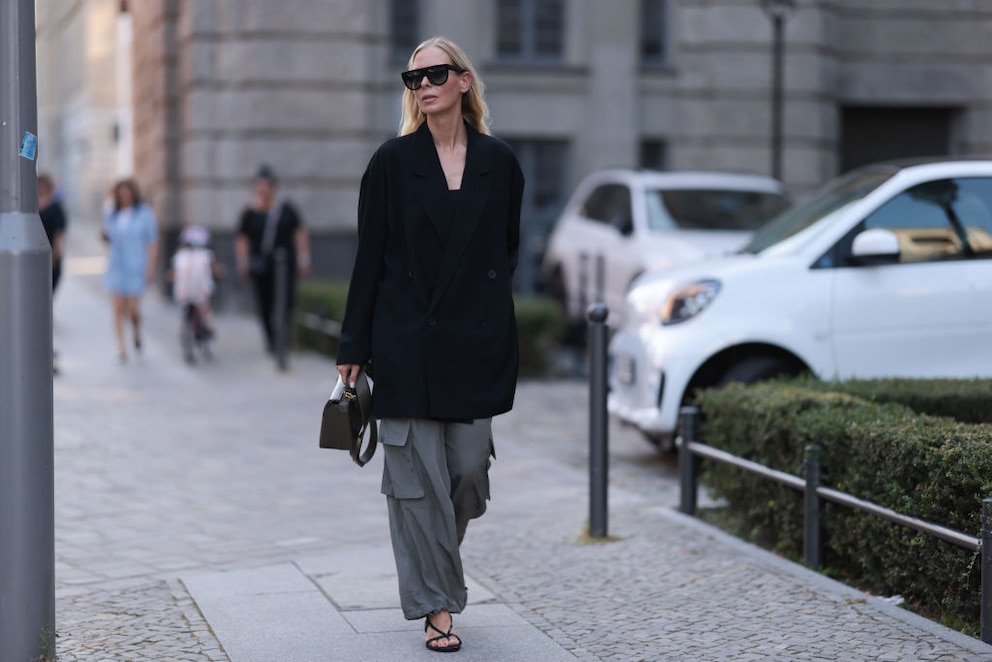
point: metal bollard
(598, 439)
(689, 491)
(583, 281)
(600, 276)
(986, 560)
(280, 305)
(812, 523)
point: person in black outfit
(270, 227)
(54, 220)
(430, 305)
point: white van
(883, 272)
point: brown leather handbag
(347, 416)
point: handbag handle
(360, 458)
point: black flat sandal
(450, 648)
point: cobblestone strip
(155, 623)
(651, 596)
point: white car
(883, 272)
(621, 223)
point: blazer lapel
(427, 168)
(471, 202)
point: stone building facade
(312, 87)
(84, 99)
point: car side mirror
(875, 246)
(625, 225)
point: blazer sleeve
(356, 328)
(513, 222)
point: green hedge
(874, 448)
(325, 298)
(540, 326)
(540, 323)
(965, 400)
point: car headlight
(688, 301)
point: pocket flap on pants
(400, 478)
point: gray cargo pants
(436, 478)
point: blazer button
(432, 322)
(492, 273)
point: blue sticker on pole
(29, 145)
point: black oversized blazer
(449, 352)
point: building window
(654, 154)
(404, 28)
(544, 162)
(530, 30)
(654, 32)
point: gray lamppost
(27, 519)
(777, 11)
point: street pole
(27, 499)
(778, 32)
(777, 11)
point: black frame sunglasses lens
(437, 75)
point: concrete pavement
(196, 519)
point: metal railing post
(598, 431)
(986, 560)
(812, 522)
(689, 490)
(280, 321)
(27, 456)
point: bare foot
(439, 629)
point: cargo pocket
(400, 478)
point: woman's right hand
(349, 373)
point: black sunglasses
(437, 75)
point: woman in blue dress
(131, 232)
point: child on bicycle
(193, 274)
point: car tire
(747, 371)
(754, 369)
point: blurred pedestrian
(131, 232)
(268, 227)
(193, 273)
(430, 305)
(54, 219)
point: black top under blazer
(435, 313)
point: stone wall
(287, 84)
(310, 87)
(77, 100)
(922, 54)
(157, 121)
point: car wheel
(755, 369)
(747, 371)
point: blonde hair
(474, 108)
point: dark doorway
(870, 134)
(544, 162)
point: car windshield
(711, 209)
(829, 198)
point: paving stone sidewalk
(170, 478)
